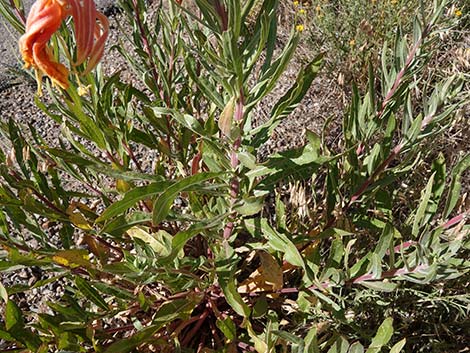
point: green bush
(175, 237)
(353, 33)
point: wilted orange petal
(84, 18)
(45, 18)
(101, 34)
(43, 21)
(57, 72)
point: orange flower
(45, 18)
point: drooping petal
(57, 72)
(84, 18)
(101, 34)
(43, 21)
(45, 18)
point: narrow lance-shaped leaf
(129, 344)
(288, 102)
(15, 325)
(163, 204)
(455, 185)
(91, 293)
(397, 348)
(280, 242)
(131, 198)
(269, 78)
(382, 337)
(426, 195)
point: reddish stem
(151, 56)
(41, 197)
(222, 12)
(110, 246)
(19, 12)
(190, 335)
(132, 156)
(235, 183)
(402, 72)
(455, 220)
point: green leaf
(272, 6)
(280, 242)
(114, 290)
(341, 345)
(327, 300)
(385, 241)
(228, 328)
(260, 308)
(178, 308)
(91, 293)
(131, 198)
(250, 206)
(6, 336)
(129, 344)
(356, 347)
(159, 241)
(225, 271)
(372, 160)
(180, 239)
(382, 337)
(288, 102)
(120, 224)
(233, 297)
(297, 344)
(420, 212)
(311, 342)
(164, 201)
(455, 185)
(3, 293)
(380, 286)
(88, 125)
(205, 85)
(13, 317)
(268, 79)
(7, 13)
(15, 325)
(298, 163)
(397, 347)
(186, 120)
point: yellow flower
(299, 28)
(458, 13)
(44, 19)
(352, 43)
(83, 90)
(296, 3)
(301, 12)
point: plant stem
(41, 197)
(190, 335)
(151, 56)
(235, 183)
(18, 11)
(132, 156)
(401, 73)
